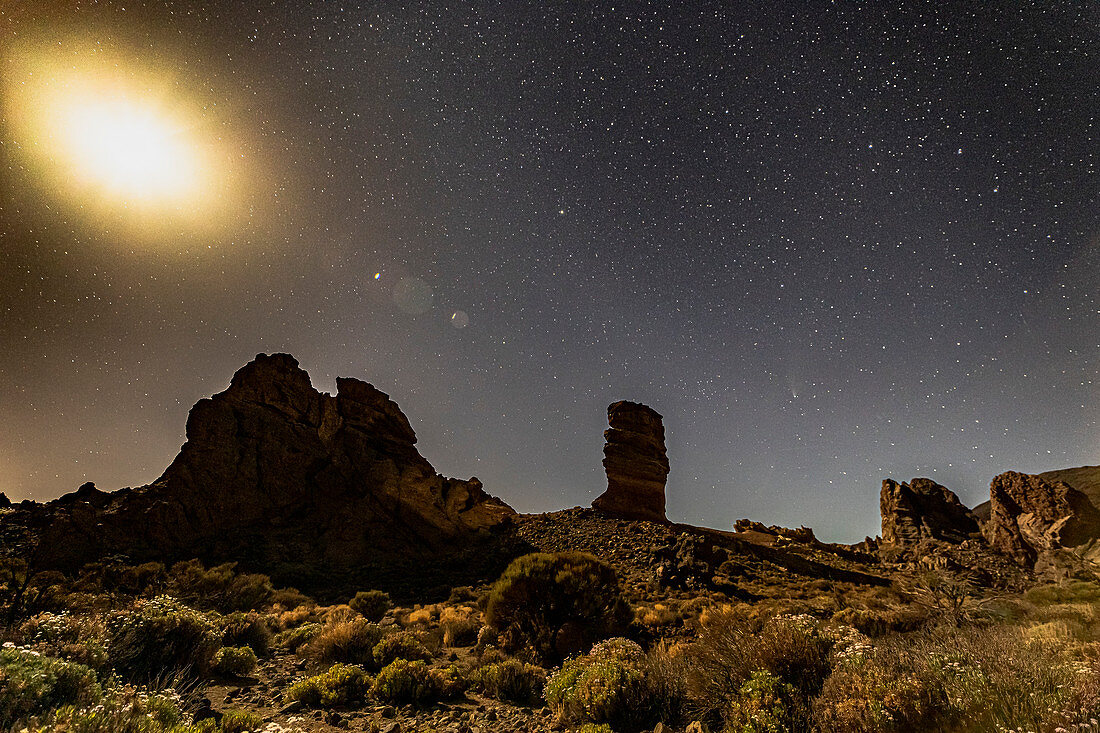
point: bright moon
(127, 147)
(134, 148)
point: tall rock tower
(636, 463)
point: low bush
(373, 604)
(511, 681)
(219, 588)
(240, 721)
(766, 704)
(75, 638)
(161, 637)
(292, 639)
(123, 710)
(404, 682)
(460, 628)
(247, 629)
(347, 642)
(613, 684)
(402, 645)
(731, 647)
(235, 661)
(342, 685)
(557, 603)
(32, 684)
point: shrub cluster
(557, 604)
(612, 685)
(510, 680)
(341, 685)
(231, 661)
(161, 638)
(373, 604)
(31, 684)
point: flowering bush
(161, 637)
(32, 684)
(611, 684)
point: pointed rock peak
(636, 463)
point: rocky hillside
(310, 488)
(1085, 479)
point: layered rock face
(1030, 516)
(923, 510)
(635, 462)
(289, 480)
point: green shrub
(161, 637)
(220, 588)
(402, 682)
(766, 704)
(558, 603)
(731, 647)
(341, 685)
(510, 680)
(347, 642)
(611, 684)
(235, 661)
(31, 684)
(402, 645)
(292, 639)
(123, 710)
(1076, 591)
(247, 629)
(373, 604)
(241, 721)
(874, 697)
(67, 636)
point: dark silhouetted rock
(635, 462)
(287, 480)
(5, 502)
(923, 510)
(1030, 516)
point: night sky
(830, 243)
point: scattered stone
(635, 462)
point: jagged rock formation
(923, 510)
(286, 479)
(635, 462)
(1085, 479)
(1030, 516)
(5, 502)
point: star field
(831, 243)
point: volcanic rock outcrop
(635, 462)
(1029, 516)
(288, 480)
(923, 510)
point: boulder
(635, 462)
(923, 510)
(1030, 516)
(287, 480)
